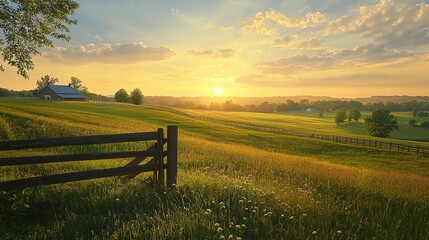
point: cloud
(363, 80)
(219, 53)
(259, 23)
(311, 19)
(214, 26)
(334, 58)
(388, 23)
(285, 41)
(310, 44)
(174, 11)
(109, 53)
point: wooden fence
(132, 169)
(333, 138)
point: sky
(242, 48)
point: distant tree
(425, 124)
(136, 97)
(381, 123)
(341, 116)
(45, 81)
(414, 111)
(29, 25)
(304, 103)
(121, 95)
(355, 114)
(321, 112)
(412, 122)
(422, 114)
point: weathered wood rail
(132, 169)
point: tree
(355, 114)
(121, 95)
(414, 111)
(341, 116)
(321, 112)
(136, 97)
(45, 81)
(381, 123)
(29, 25)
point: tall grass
(229, 188)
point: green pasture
(310, 122)
(232, 183)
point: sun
(218, 91)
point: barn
(60, 93)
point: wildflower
(219, 229)
(222, 237)
(237, 226)
(230, 236)
(304, 215)
(244, 218)
(339, 232)
(282, 216)
(291, 217)
(206, 213)
(238, 238)
(246, 209)
(217, 225)
(117, 199)
(314, 233)
(240, 201)
(243, 226)
(253, 211)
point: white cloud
(174, 11)
(219, 53)
(109, 53)
(310, 44)
(285, 41)
(388, 23)
(259, 23)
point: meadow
(232, 183)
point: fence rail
(132, 169)
(339, 139)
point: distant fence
(132, 169)
(333, 138)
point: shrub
(5, 130)
(425, 124)
(422, 114)
(412, 122)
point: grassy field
(233, 183)
(310, 122)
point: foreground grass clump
(229, 187)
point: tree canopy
(29, 25)
(341, 116)
(76, 83)
(45, 81)
(381, 123)
(121, 95)
(136, 97)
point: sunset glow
(253, 48)
(218, 91)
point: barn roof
(65, 91)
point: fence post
(160, 156)
(172, 155)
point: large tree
(381, 123)
(45, 81)
(136, 97)
(121, 95)
(341, 116)
(76, 83)
(29, 25)
(355, 114)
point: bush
(422, 114)
(412, 122)
(425, 124)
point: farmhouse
(60, 93)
